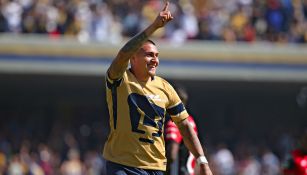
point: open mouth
(151, 66)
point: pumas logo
(154, 97)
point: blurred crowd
(76, 150)
(45, 161)
(111, 20)
(57, 148)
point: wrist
(201, 160)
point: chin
(152, 73)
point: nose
(155, 56)
(155, 60)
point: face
(145, 61)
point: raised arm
(192, 142)
(121, 61)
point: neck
(141, 78)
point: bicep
(183, 124)
(186, 130)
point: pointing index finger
(166, 5)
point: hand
(205, 169)
(164, 16)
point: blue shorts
(118, 169)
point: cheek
(140, 63)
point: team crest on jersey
(154, 97)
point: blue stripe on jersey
(176, 109)
(113, 87)
(146, 140)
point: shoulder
(116, 82)
(158, 78)
(125, 74)
(163, 82)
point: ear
(132, 61)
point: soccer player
(175, 149)
(138, 101)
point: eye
(151, 54)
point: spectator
(95, 164)
(270, 164)
(296, 164)
(16, 167)
(246, 162)
(73, 166)
(223, 161)
(234, 20)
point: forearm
(120, 63)
(190, 138)
(192, 142)
(136, 42)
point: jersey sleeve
(172, 132)
(175, 107)
(113, 83)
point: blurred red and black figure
(297, 162)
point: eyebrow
(150, 52)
